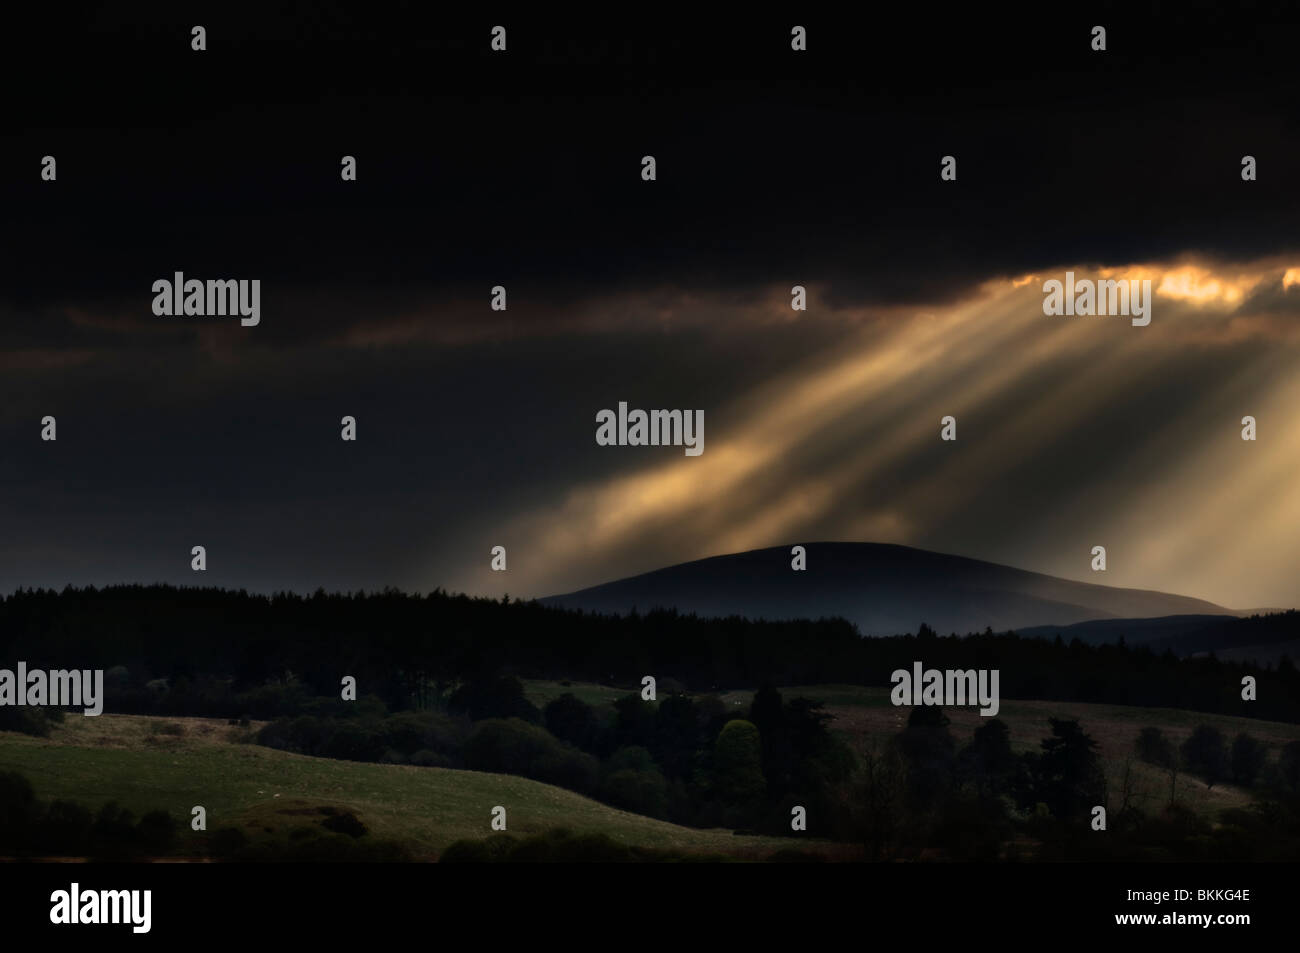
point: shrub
(631, 758)
(1248, 757)
(113, 832)
(412, 731)
(28, 720)
(494, 698)
(65, 829)
(513, 746)
(18, 809)
(226, 841)
(634, 782)
(405, 731)
(486, 851)
(573, 720)
(1204, 753)
(1288, 767)
(156, 831)
(352, 740)
(738, 763)
(1154, 748)
(345, 823)
(425, 758)
(644, 792)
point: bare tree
(881, 801)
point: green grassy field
(540, 692)
(264, 791)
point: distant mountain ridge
(885, 589)
(1161, 631)
(1260, 637)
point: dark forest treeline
(222, 653)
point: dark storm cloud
(523, 170)
(157, 454)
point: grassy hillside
(264, 792)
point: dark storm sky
(522, 169)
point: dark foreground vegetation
(31, 828)
(564, 846)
